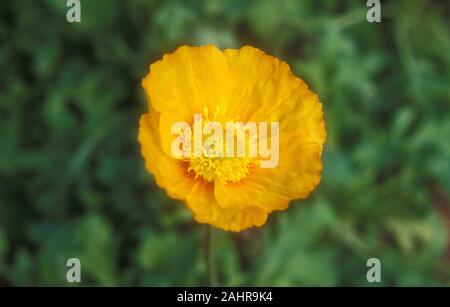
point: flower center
(221, 168)
(213, 164)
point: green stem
(209, 257)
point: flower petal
(201, 201)
(179, 182)
(189, 80)
(302, 135)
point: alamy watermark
(74, 271)
(374, 273)
(73, 274)
(374, 13)
(215, 139)
(74, 11)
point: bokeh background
(73, 183)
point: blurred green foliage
(73, 183)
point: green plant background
(73, 183)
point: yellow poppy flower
(245, 85)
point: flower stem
(209, 257)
